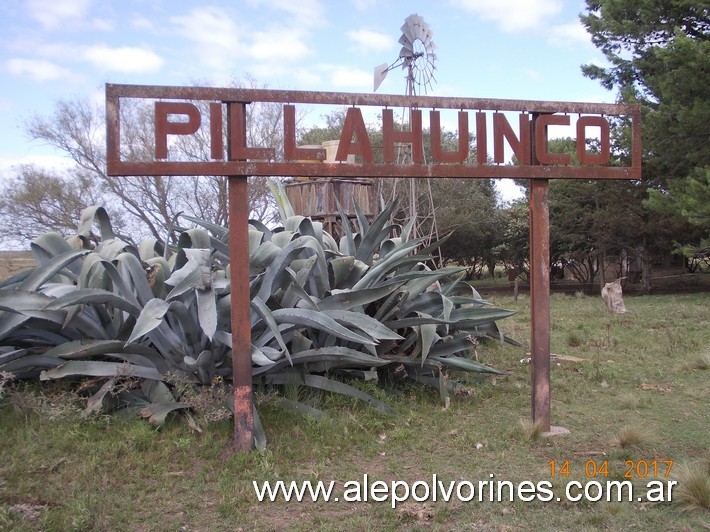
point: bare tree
(36, 200)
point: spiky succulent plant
(160, 313)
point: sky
(53, 50)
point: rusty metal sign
(177, 113)
(501, 127)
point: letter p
(163, 127)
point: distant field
(12, 262)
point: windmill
(417, 57)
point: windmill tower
(418, 59)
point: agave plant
(160, 313)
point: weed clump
(693, 488)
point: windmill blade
(380, 75)
(427, 34)
(416, 23)
(406, 52)
(406, 42)
(407, 30)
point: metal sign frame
(239, 161)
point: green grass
(641, 381)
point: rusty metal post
(240, 303)
(540, 301)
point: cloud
(55, 13)
(304, 13)
(345, 77)
(37, 69)
(125, 59)
(277, 44)
(214, 33)
(143, 23)
(513, 15)
(371, 41)
(364, 5)
(566, 34)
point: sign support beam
(540, 301)
(240, 308)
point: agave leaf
(111, 249)
(427, 338)
(93, 296)
(157, 413)
(204, 365)
(299, 224)
(301, 408)
(330, 385)
(266, 315)
(188, 261)
(182, 327)
(473, 316)
(255, 240)
(130, 268)
(89, 216)
(49, 245)
(347, 242)
(295, 295)
(362, 219)
(259, 226)
(407, 229)
(392, 305)
(279, 193)
(15, 300)
(37, 335)
(10, 282)
(187, 278)
(339, 270)
(95, 402)
(427, 279)
(319, 321)
(217, 230)
(9, 356)
(275, 273)
(262, 256)
(93, 368)
(348, 299)
(87, 349)
(194, 238)
(259, 355)
(157, 392)
(325, 359)
(259, 434)
(150, 317)
(466, 364)
(207, 312)
(20, 366)
(119, 285)
(374, 235)
(452, 345)
(386, 264)
(42, 273)
(365, 323)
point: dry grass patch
(693, 488)
(632, 436)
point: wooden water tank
(315, 197)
